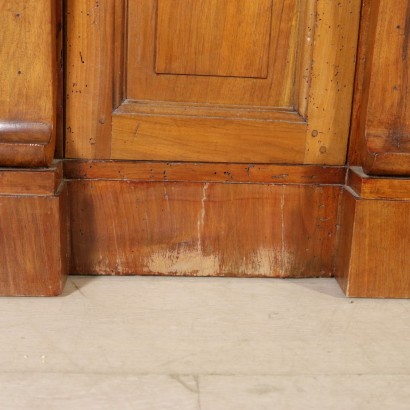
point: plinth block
(373, 258)
(34, 243)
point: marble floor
(200, 343)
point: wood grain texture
(276, 91)
(307, 12)
(204, 172)
(227, 38)
(310, 235)
(331, 80)
(30, 66)
(373, 258)
(199, 111)
(208, 139)
(90, 77)
(299, 113)
(34, 251)
(381, 121)
(23, 181)
(369, 187)
(202, 229)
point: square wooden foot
(34, 246)
(374, 258)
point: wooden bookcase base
(157, 218)
(34, 251)
(373, 259)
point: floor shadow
(76, 283)
(321, 285)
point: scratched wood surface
(90, 70)
(202, 229)
(332, 43)
(204, 172)
(281, 94)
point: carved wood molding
(30, 73)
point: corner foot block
(374, 258)
(34, 242)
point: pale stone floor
(202, 343)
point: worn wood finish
(381, 120)
(331, 77)
(204, 172)
(89, 76)
(373, 258)
(205, 99)
(34, 251)
(30, 34)
(186, 228)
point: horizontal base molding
(34, 232)
(198, 219)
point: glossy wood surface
(227, 108)
(89, 77)
(143, 83)
(381, 117)
(23, 181)
(34, 251)
(333, 50)
(211, 37)
(165, 138)
(369, 187)
(29, 81)
(373, 258)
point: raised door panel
(227, 38)
(206, 62)
(211, 80)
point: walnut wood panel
(208, 139)
(29, 80)
(211, 229)
(213, 37)
(307, 89)
(91, 61)
(323, 93)
(369, 187)
(228, 112)
(381, 120)
(310, 240)
(204, 172)
(143, 83)
(331, 80)
(373, 258)
(24, 181)
(34, 251)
